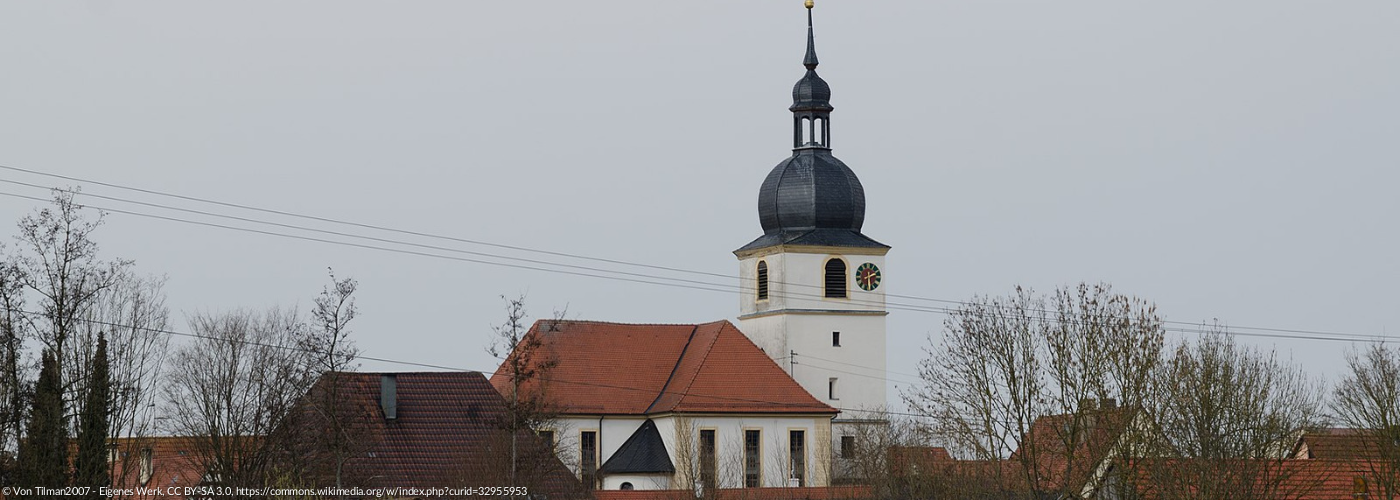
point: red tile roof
(1270, 479)
(626, 369)
(173, 463)
(1068, 449)
(907, 460)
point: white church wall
(857, 364)
(638, 481)
(729, 435)
(797, 318)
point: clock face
(868, 276)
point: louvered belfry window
(836, 279)
(762, 280)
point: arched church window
(762, 280)
(836, 278)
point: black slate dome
(811, 190)
(811, 198)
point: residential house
(427, 430)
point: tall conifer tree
(90, 469)
(43, 454)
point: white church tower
(813, 293)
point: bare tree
(527, 363)
(1231, 416)
(56, 289)
(1006, 363)
(133, 316)
(1367, 400)
(59, 264)
(537, 468)
(232, 387)
(12, 334)
(331, 432)
(328, 340)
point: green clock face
(868, 276)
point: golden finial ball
(809, 4)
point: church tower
(813, 295)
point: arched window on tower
(762, 280)
(836, 278)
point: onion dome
(811, 198)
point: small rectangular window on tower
(835, 339)
(831, 389)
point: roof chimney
(388, 395)
(1110, 403)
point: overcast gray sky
(1232, 160)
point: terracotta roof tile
(172, 462)
(627, 369)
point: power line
(540, 251)
(1276, 333)
(887, 305)
(362, 225)
(808, 356)
(459, 369)
(896, 305)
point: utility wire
(576, 256)
(807, 357)
(1297, 334)
(892, 306)
(467, 370)
(418, 245)
(362, 225)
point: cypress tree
(90, 469)
(43, 454)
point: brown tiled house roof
(630, 369)
(447, 432)
(1339, 444)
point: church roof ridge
(622, 323)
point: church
(775, 401)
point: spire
(811, 60)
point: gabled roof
(627, 369)
(1067, 450)
(642, 453)
(448, 431)
(1282, 479)
(173, 462)
(1340, 444)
